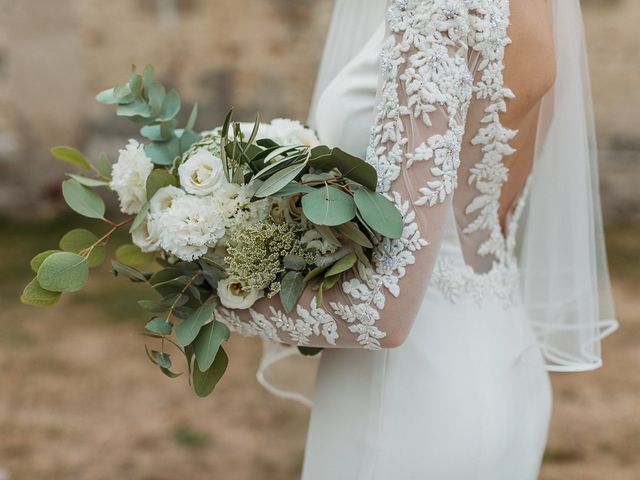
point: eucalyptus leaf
(140, 217)
(208, 342)
(34, 294)
(292, 189)
(128, 272)
(158, 179)
(132, 256)
(342, 265)
(161, 359)
(107, 97)
(79, 240)
(70, 155)
(88, 182)
(292, 287)
(134, 109)
(309, 351)
(82, 200)
(328, 206)
(379, 213)
(355, 169)
(39, 258)
(316, 272)
(169, 373)
(205, 382)
(104, 166)
(159, 326)
(163, 153)
(63, 272)
(156, 94)
(294, 262)
(171, 105)
(353, 233)
(327, 234)
(188, 330)
(192, 118)
(279, 180)
(330, 281)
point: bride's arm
(426, 88)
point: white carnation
(129, 177)
(284, 132)
(232, 295)
(190, 226)
(202, 173)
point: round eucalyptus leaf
(159, 326)
(170, 105)
(158, 179)
(82, 200)
(207, 343)
(328, 206)
(80, 239)
(132, 255)
(63, 272)
(39, 258)
(379, 213)
(34, 294)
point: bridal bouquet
(227, 216)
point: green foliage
(63, 272)
(292, 287)
(207, 343)
(342, 265)
(205, 382)
(128, 272)
(132, 256)
(189, 329)
(159, 326)
(329, 206)
(71, 155)
(379, 213)
(39, 258)
(82, 200)
(85, 243)
(158, 179)
(34, 294)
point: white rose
(163, 198)
(190, 226)
(146, 236)
(129, 177)
(233, 296)
(202, 173)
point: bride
(476, 115)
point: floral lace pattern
(424, 64)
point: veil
(565, 280)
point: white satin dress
(467, 396)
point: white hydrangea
(189, 226)
(129, 177)
(202, 173)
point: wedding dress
(466, 394)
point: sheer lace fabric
(437, 132)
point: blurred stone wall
(250, 54)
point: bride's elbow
(394, 338)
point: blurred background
(78, 399)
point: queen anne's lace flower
(129, 177)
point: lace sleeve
(424, 94)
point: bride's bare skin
(530, 71)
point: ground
(79, 400)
